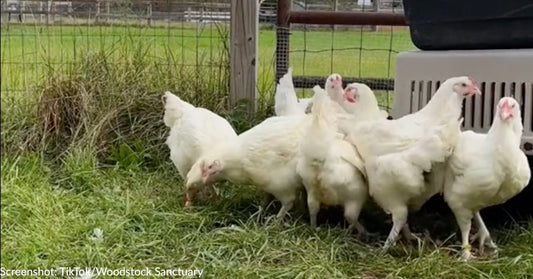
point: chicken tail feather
(174, 108)
(286, 102)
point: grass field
(49, 216)
(56, 195)
(29, 52)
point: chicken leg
(287, 201)
(483, 234)
(464, 220)
(351, 213)
(314, 206)
(399, 219)
(407, 234)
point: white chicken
(285, 100)
(330, 168)
(287, 103)
(193, 132)
(401, 154)
(485, 170)
(361, 101)
(264, 156)
(334, 89)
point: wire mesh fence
(79, 72)
(42, 38)
(363, 53)
(188, 41)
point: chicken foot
(287, 201)
(483, 234)
(351, 213)
(399, 219)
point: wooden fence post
(70, 10)
(41, 11)
(243, 60)
(47, 12)
(107, 11)
(149, 14)
(54, 11)
(4, 8)
(22, 9)
(97, 16)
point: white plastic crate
(498, 73)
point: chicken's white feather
(485, 170)
(330, 167)
(264, 156)
(193, 132)
(285, 100)
(403, 156)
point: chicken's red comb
(472, 81)
(506, 103)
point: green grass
(189, 61)
(49, 214)
(82, 149)
(31, 52)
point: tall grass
(99, 86)
(109, 100)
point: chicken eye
(463, 84)
(513, 106)
(331, 79)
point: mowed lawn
(52, 212)
(29, 52)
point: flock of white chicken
(341, 148)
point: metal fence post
(282, 38)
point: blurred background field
(30, 52)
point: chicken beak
(337, 82)
(475, 90)
(347, 96)
(205, 177)
(349, 99)
(506, 111)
